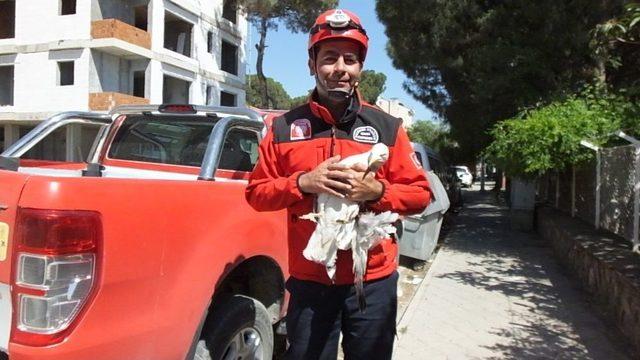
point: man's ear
(312, 67)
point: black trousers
(317, 314)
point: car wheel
(239, 328)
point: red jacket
(306, 136)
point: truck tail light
(55, 270)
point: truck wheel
(239, 328)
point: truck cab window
(240, 151)
(182, 141)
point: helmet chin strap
(337, 94)
(340, 94)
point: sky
(286, 58)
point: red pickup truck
(148, 249)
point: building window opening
(210, 42)
(6, 85)
(138, 83)
(7, 19)
(229, 61)
(175, 91)
(177, 34)
(140, 17)
(239, 151)
(65, 73)
(67, 7)
(230, 10)
(227, 99)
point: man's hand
(364, 185)
(328, 177)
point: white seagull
(341, 226)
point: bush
(548, 137)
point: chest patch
(366, 134)
(300, 129)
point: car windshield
(460, 172)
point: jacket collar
(322, 112)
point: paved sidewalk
(492, 293)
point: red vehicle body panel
(168, 245)
(10, 190)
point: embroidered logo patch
(300, 129)
(366, 134)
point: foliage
(436, 136)
(616, 44)
(298, 100)
(624, 29)
(296, 15)
(549, 137)
(476, 62)
(279, 99)
(372, 84)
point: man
(299, 159)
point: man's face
(337, 66)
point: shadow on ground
(549, 319)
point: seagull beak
(372, 165)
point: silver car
(464, 175)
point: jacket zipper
(333, 141)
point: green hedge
(548, 137)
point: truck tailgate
(11, 184)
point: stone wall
(604, 264)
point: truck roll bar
(231, 118)
(216, 141)
(9, 159)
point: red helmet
(338, 24)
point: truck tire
(238, 328)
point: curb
(417, 297)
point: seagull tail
(360, 295)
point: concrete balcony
(113, 28)
(106, 101)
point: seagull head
(378, 155)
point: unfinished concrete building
(61, 55)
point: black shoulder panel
(371, 121)
(284, 129)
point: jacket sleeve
(406, 188)
(269, 189)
